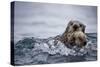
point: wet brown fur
(74, 34)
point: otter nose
(75, 26)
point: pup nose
(75, 26)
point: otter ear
(66, 30)
(68, 26)
(70, 23)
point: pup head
(74, 34)
(75, 26)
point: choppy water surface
(45, 51)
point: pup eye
(80, 25)
(71, 23)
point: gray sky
(44, 20)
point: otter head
(74, 34)
(75, 26)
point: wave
(45, 51)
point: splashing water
(46, 51)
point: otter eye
(80, 25)
(71, 23)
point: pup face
(75, 26)
(75, 34)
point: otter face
(75, 34)
(76, 26)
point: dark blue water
(45, 51)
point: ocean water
(33, 50)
